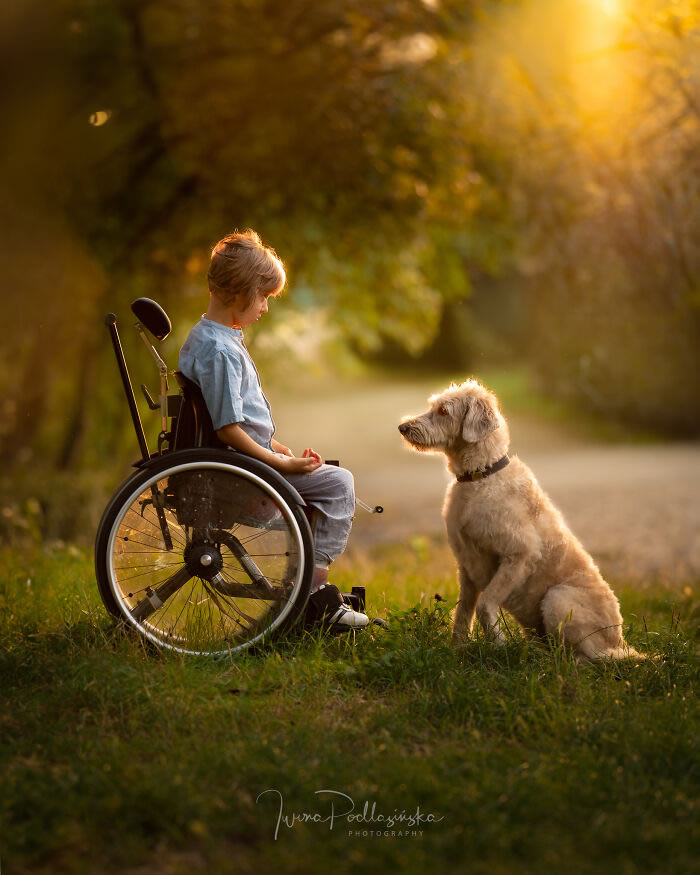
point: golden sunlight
(599, 72)
(567, 59)
(610, 7)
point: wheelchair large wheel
(205, 552)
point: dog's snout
(404, 427)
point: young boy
(243, 275)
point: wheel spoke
(217, 601)
(160, 565)
(140, 518)
(142, 573)
(184, 605)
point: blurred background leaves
(451, 185)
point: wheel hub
(203, 560)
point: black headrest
(153, 316)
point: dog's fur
(512, 546)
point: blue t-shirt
(216, 359)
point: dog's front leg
(512, 572)
(464, 612)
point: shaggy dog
(512, 546)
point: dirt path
(635, 507)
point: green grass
(114, 759)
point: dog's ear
(480, 419)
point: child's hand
(312, 454)
(299, 465)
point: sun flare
(610, 7)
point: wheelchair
(202, 550)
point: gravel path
(635, 507)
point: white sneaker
(326, 607)
(346, 618)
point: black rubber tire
(158, 467)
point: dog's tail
(622, 651)
(625, 651)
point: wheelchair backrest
(194, 426)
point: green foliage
(168, 125)
(449, 183)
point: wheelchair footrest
(356, 598)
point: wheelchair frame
(197, 497)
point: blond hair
(241, 264)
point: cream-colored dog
(512, 546)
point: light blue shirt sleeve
(220, 377)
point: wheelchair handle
(111, 323)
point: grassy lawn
(114, 759)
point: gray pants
(332, 490)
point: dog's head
(463, 414)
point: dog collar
(471, 476)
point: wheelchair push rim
(206, 558)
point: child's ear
(237, 300)
(480, 419)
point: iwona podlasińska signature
(339, 807)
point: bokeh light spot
(101, 117)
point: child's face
(244, 315)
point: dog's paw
(494, 633)
(488, 617)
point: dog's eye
(442, 410)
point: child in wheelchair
(243, 275)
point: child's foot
(327, 608)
